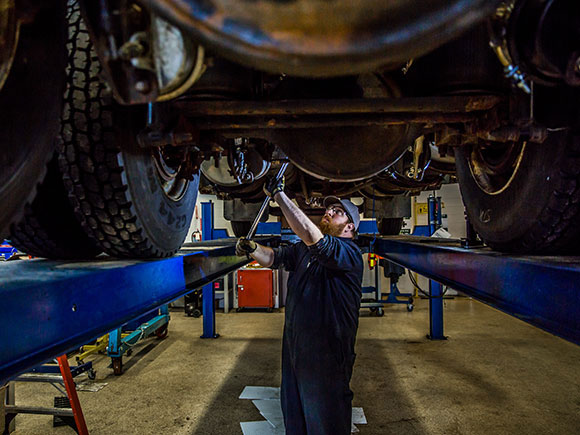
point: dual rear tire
(125, 201)
(528, 202)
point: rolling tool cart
(255, 288)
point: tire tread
(91, 162)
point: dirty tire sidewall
(49, 227)
(537, 212)
(30, 106)
(164, 222)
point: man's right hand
(273, 186)
(245, 247)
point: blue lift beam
(543, 291)
(48, 308)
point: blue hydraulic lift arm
(543, 291)
(48, 308)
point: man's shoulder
(350, 242)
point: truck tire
(30, 102)
(131, 201)
(241, 228)
(389, 226)
(49, 227)
(535, 207)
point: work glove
(245, 247)
(273, 186)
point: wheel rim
(168, 171)
(494, 166)
(9, 31)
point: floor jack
(100, 347)
(120, 343)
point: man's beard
(331, 229)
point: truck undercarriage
(376, 101)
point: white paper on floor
(88, 385)
(260, 393)
(358, 416)
(271, 410)
(267, 401)
(260, 428)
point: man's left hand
(274, 185)
(245, 247)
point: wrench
(254, 226)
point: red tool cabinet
(255, 288)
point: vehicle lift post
(208, 291)
(435, 288)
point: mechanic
(322, 308)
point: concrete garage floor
(495, 375)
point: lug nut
(142, 87)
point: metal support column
(435, 311)
(432, 207)
(208, 297)
(435, 288)
(208, 292)
(207, 221)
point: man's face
(334, 221)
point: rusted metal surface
(418, 105)
(323, 38)
(281, 123)
(301, 114)
(314, 134)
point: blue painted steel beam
(543, 291)
(48, 308)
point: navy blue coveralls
(322, 307)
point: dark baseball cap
(349, 207)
